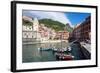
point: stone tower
(36, 29)
(35, 25)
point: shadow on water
(78, 51)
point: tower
(36, 29)
(35, 25)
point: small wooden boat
(61, 56)
(67, 57)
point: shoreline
(43, 42)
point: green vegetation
(52, 24)
(26, 22)
(70, 29)
(57, 26)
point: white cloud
(58, 16)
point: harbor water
(32, 53)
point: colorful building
(36, 31)
(64, 35)
(82, 31)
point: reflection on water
(31, 53)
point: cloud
(57, 16)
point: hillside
(26, 22)
(69, 28)
(57, 26)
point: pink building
(64, 35)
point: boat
(67, 57)
(61, 56)
(69, 49)
(58, 50)
(45, 49)
(54, 49)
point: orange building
(64, 35)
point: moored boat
(45, 49)
(62, 56)
(69, 49)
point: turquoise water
(31, 53)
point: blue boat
(44, 49)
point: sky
(76, 17)
(73, 18)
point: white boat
(55, 49)
(69, 48)
(59, 50)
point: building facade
(39, 32)
(30, 32)
(82, 31)
(86, 29)
(64, 35)
(36, 31)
